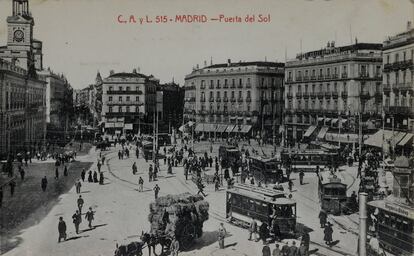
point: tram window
(252, 205)
(236, 200)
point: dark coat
(328, 233)
(62, 227)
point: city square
(306, 154)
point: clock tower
(20, 34)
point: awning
(320, 119)
(109, 125)
(383, 137)
(408, 137)
(246, 128)
(328, 119)
(221, 128)
(128, 126)
(322, 132)
(181, 129)
(309, 131)
(199, 128)
(230, 128)
(212, 127)
(398, 137)
(335, 121)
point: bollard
(362, 224)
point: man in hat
(89, 216)
(156, 191)
(285, 249)
(62, 229)
(175, 246)
(78, 185)
(141, 184)
(80, 203)
(328, 233)
(322, 218)
(77, 219)
(221, 235)
(293, 250)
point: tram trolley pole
(362, 224)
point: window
(120, 88)
(137, 98)
(388, 59)
(328, 72)
(404, 56)
(248, 108)
(211, 95)
(127, 88)
(120, 109)
(218, 94)
(299, 88)
(335, 87)
(110, 98)
(290, 75)
(127, 109)
(127, 98)
(218, 83)
(137, 88)
(240, 94)
(306, 88)
(225, 82)
(225, 94)
(263, 81)
(110, 109)
(211, 83)
(404, 75)
(120, 98)
(248, 80)
(248, 94)
(203, 97)
(232, 94)
(397, 57)
(313, 72)
(320, 72)
(110, 88)
(233, 82)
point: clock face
(18, 35)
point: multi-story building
(85, 105)
(398, 81)
(22, 109)
(128, 102)
(235, 97)
(57, 88)
(332, 89)
(170, 105)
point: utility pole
(362, 245)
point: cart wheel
(187, 236)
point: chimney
(228, 62)
(198, 66)
(205, 63)
(134, 71)
(409, 25)
(111, 72)
(328, 45)
(333, 44)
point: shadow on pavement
(75, 237)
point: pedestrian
(83, 173)
(301, 175)
(186, 172)
(80, 203)
(290, 184)
(62, 229)
(156, 191)
(322, 218)
(266, 250)
(78, 186)
(150, 173)
(306, 241)
(175, 246)
(221, 235)
(328, 234)
(12, 185)
(77, 219)
(285, 249)
(264, 232)
(95, 177)
(101, 178)
(56, 173)
(99, 165)
(103, 160)
(303, 251)
(293, 249)
(65, 171)
(134, 168)
(200, 187)
(276, 229)
(89, 216)
(226, 174)
(276, 251)
(253, 230)
(90, 179)
(22, 173)
(141, 184)
(43, 184)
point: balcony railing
(305, 78)
(386, 87)
(248, 99)
(211, 86)
(203, 100)
(240, 86)
(344, 94)
(130, 103)
(240, 99)
(405, 86)
(289, 95)
(335, 95)
(364, 75)
(211, 99)
(312, 95)
(320, 77)
(328, 95)
(202, 87)
(327, 76)
(299, 78)
(225, 86)
(299, 95)
(233, 99)
(233, 86)
(365, 95)
(218, 86)
(225, 99)
(335, 76)
(399, 109)
(320, 95)
(344, 75)
(305, 95)
(313, 78)
(248, 85)
(138, 92)
(289, 79)
(218, 99)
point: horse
(152, 240)
(131, 249)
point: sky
(81, 37)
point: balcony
(240, 86)
(233, 86)
(211, 86)
(320, 95)
(233, 100)
(386, 87)
(248, 85)
(305, 95)
(400, 110)
(335, 76)
(137, 92)
(305, 78)
(225, 99)
(218, 99)
(344, 75)
(128, 103)
(211, 99)
(328, 95)
(203, 100)
(289, 79)
(378, 97)
(335, 95)
(218, 86)
(289, 95)
(299, 78)
(344, 95)
(328, 76)
(240, 100)
(363, 75)
(405, 86)
(312, 95)
(225, 86)
(299, 95)
(192, 99)
(312, 78)
(202, 87)
(365, 96)
(248, 99)
(320, 77)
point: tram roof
(263, 194)
(393, 207)
(264, 159)
(326, 178)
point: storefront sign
(119, 125)
(399, 210)
(128, 126)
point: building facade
(170, 106)
(129, 101)
(22, 110)
(329, 91)
(398, 81)
(239, 98)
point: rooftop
(331, 49)
(127, 75)
(251, 63)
